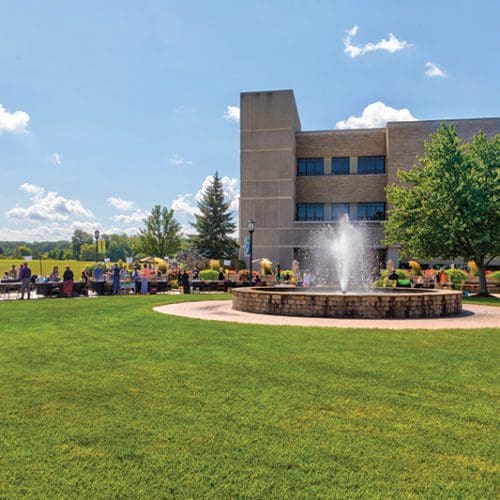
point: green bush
(494, 276)
(456, 276)
(385, 283)
(209, 275)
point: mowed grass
(106, 398)
(46, 266)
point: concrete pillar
(353, 165)
(327, 166)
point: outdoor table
(98, 287)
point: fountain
(342, 258)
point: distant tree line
(160, 237)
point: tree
(78, 239)
(214, 224)
(449, 204)
(87, 252)
(161, 236)
(21, 251)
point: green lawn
(484, 301)
(105, 398)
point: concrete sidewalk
(472, 316)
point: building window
(371, 165)
(339, 209)
(371, 211)
(340, 166)
(310, 211)
(310, 166)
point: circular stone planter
(328, 303)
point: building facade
(293, 181)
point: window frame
(344, 158)
(316, 211)
(307, 167)
(375, 205)
(373, 165)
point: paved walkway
(473, 316)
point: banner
(247, 246)
(28, 258)
(227, 262)
(101, 246)
(129, 260)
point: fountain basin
(331, 303)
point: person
(13, 272)
(394, 275)
(67, 286)
(306, 279)
(443, 279)
(185, 282)
(221, 275)
(146, 275)
(420, 282)
(85, 275)
(116, 279)
(7, 276)
(25, 279)
(278, 274)
(54, 275)
(136, 276)
(256, 281)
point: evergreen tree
(161, 235)
(214, 224)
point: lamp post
(251, 229)
(96, 235)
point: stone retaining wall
(408, 304)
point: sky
(108, 108)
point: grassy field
(47, 265)
(105, 398)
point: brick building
(293, 181)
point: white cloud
(137, 216)
(31, 188)
(48, 206)
(391, 44)
(178, 161)
(16, 122)
(376, 114)
(120, 203)
(232, 113)
(56, 159)
(185, 205)
(433, 71)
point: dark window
(339, 209)
(310, 211)
(310, 166)
(340, 166)
(371, 211)
(371, 165)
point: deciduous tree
(161, 236)
(448, 205)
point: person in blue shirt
(116, 279)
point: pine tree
(214, 224)
(161, 235)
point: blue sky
(107, 108)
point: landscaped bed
(104, 397)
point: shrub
(415, 267)
(385, 283)
(214, 264)
(456, 276)
(266, 267)
(474, 271)
(209, 275)
(495, 276)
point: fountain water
(342, 257)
